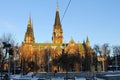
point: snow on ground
(112, 75)
(80, 78)
(99, 79)
(12, 77)
(58, 78)
(15, 76)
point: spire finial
(29, 19)
(57, 8)
(57, 2)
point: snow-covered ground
(63, 79)
(80, 78)
(31, 76)
(20, 77)
(60, 76)
(57, 78)
(112, 75)
(99, 79)
(34, 78)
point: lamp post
(10, 54)
(115, 51)
(14, 65)
(15, 55)
(116, 63)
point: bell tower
(57, 35)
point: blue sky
(97, 19)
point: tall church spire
(57, 36)
(29, 20)
(29, 35)
(87, 42)
(57, 17)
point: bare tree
(7, 42)
(116, 51)
(97, 50)
(8, 38)
(105, 50)
(104, 54)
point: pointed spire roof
(57, 8)
(87, 40)
(83, 42)
(72, 41)
(29, 32)
(29, 21)
(57, 17)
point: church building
(38, 56)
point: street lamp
(10, 54)
(116, 63)
(115, 51)
(15, 56)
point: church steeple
(29, 35)
(87, 42)
(29, 20)
(57, 18)
(57, 36)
